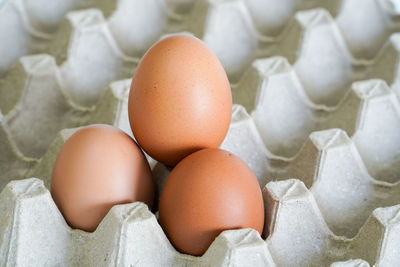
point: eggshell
(208, 192)
(180, 99)
(99, 166)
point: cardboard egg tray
(316, 87)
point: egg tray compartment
(388, 63)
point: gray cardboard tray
(317, 118)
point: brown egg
(208, 192)
(97, 167)
(180, 99)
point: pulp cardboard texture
(316, 87)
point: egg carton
(97, 39)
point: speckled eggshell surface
(99, 166)
(209, 191)
(180, 99)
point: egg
(98, 167)
(180, 99)
(207, 192)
